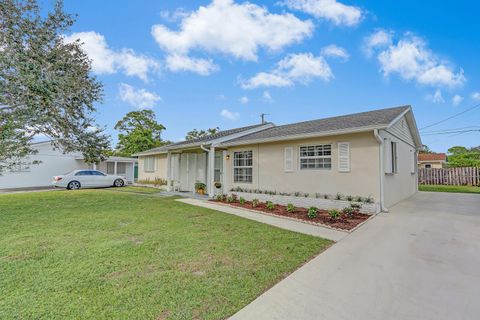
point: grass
(136, 189)
(96, 254)
(442, 188)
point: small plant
(230, 199)
(334, 214)
(255, 203)
(290, 208)
(356, 207)
(318, 195)
(200, 187)
(306, 195)
(297, 194)
(349, 198)
(348, 211)
(326, 196)
(368, 199)
(312, 212)
(358, 199)
(338, 196)
(221, 197)
(270, 205)
(242, 200)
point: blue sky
(201, 64)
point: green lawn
(441, 188)
(98, 254)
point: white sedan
(88, 179)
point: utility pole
(263, 117)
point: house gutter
(203, 148)
(382, 175)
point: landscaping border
(306, 202)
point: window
(97, 173)
(83, 173)
(394, 157)
(121, 168)
(242, 166)
(110, 167)
(428, 166)
(316, 157)
(149, 164)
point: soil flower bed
(343, 222)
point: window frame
(394, 155)
(300, 157)
(145, 162)
(243, 167)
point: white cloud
(266, 96)
(230, 115)
(436, 97)
(380, 38)
(202, 67)
(412, 60)
(476, 96)
(336, 12)
(456, 100)
(174, 16)
(237, 30)
(108, 61)
(244, 100)
(138, 98)
(335, 52)
(294, 68)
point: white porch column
(94, 166)
(211, 172)
(133, 172)
(115, 168)
(169, 172)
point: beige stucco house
(369, 154)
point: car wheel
(118, 183)
(73, 185)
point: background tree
(46, 86)
(139, 131)
(195, 134)
(459, 156)
(426, 149)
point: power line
(451, 117)
(450, 132)
(453, 129)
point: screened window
(316, 157)
(149, 164)
(243, 166)
(121, 168)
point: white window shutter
(288, 159)
(344, 156)
(387, 155)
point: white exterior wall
(402, 184)
(160, 170)
(53, 162)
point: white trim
(303, 135)
(299, 157)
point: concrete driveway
(420, 261)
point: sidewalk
(279, 222)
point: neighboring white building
(53, 162)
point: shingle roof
(432, 157)
(198, 141)
(376, 118)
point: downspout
(208, 171)
(382, 174)
(204, 149)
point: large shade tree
(139, 131)
(195, 134)
(459, 156)
(46, 85)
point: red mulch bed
(343, 222)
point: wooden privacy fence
(450, 176)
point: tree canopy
(195, 134)
(46, 87)
(139, 131)
(459, 156)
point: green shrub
(255, 203)
(290, 208)
(334, 214)
(312, 212)
(242, 200)
(358, 199)
(348, 211)
(368, 199)
(326, 196)
(338, 196)
(306, 195)
(200, 186)
(349, 198)
(297, 194)
(221, 197)
(270, 205)
(356, 206)
(230, 199)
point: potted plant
(217, 185)
(200, 187)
